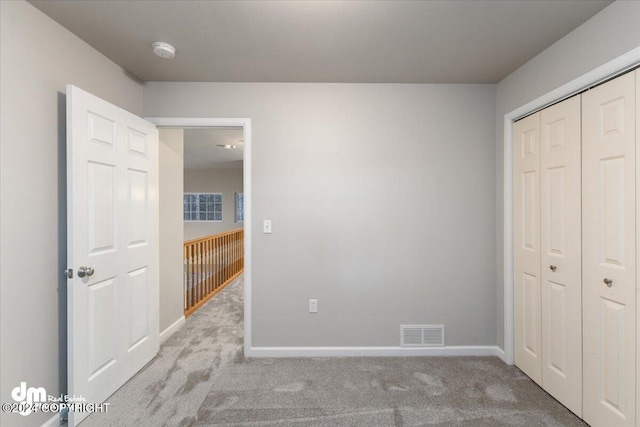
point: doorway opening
(213, 212)
(205, 233)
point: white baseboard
(501, 354)
(171, 329)
(54, 421)
(372, 351)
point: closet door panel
(527, 246)
(609, 252)
(560, 244)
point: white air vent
(422, 335)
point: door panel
(530, 305)
(138, 200)
(561, 252)
(612, 180)
(113, 228)
(554, 209)
(102, 327)
(555, 356)
(138, 294)
(102, 210)
(527, 246)
(609, 252)
(612, 316)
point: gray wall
(171, 159)
(38, 58)
(382, 199)
(225, 181)
(609, 34)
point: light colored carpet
(201, 379)
(411, 391)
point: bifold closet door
(609, 258)
(527, 246)
(560, 243)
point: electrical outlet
(266, 225)
(313, 306)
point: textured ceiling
(464, 41)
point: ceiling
(201, 149)
(465, 41)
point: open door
(112, 226)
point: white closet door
(527, 246)
(609, 296)
(560, 242)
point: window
(239, 207)
(202, 207)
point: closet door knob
(608, 282)
(553, 268)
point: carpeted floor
(200, 378)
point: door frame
(245, 123)
(604, 72)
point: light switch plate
(266, 226)
(313, 306)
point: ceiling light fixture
(164, 50)
(227, 146)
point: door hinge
(69, 273)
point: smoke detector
(164, 50)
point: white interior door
(560, 240)
(527, 246)
(112, 193)
(609, 271)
